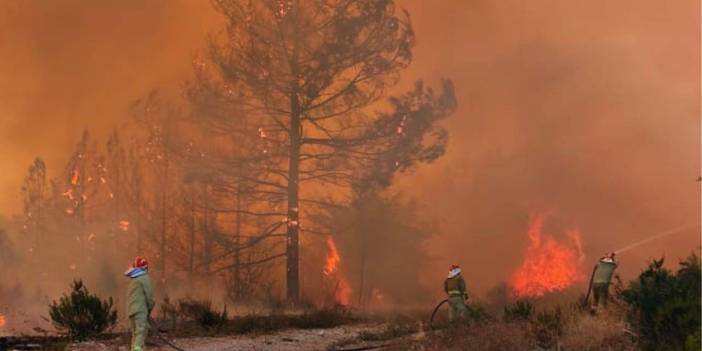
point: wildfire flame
(342, 291)
(75, 177)
(124, 225)
(2, 321)
(549, 265)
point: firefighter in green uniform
(601, 278)
(140, 301)
(455, 288)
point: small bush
(477, 313)
(82, 315)
(521, 310)
(169, 312)
(322, 318)
(203, 313)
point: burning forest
(349, 174)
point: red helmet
(140, 262)
(453, 266)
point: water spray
(656, 236)
(631, 246)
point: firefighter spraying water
(604, 269)
(599, 281)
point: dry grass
(605, 331)
(568, 329)
(182, 322)
(488, 336)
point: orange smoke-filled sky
(588, 110)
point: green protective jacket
(604, 272)
(455, 286)
(140, 296)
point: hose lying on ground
(161, 337)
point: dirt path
(285, 340)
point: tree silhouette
(295, 82)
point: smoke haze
(586, 111)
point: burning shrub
(82, 315)
(522, 310)
(665, 306)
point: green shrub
(521, 310)
(82, 315)
(694, 342)
(665, 305)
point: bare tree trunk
(138, 217)
(164, 198)
(206, 230)
(40, 226)
(191, 264)
(362, 272)
(293, 273)
(237, 243)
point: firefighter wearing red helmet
(140, 301)
(455, 288)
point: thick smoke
(588, 112)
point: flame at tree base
(2, 321)
(342, 289)
(549, 265)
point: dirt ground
(285, 340)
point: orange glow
(342, 289)
(124, 225)
(2, 321)
(548, 265)
(75, 177)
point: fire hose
(675, 230)
(161, 337)
(433, 314)
(589, 286)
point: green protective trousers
(139, 325)
(457, 308)
(600, 293)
